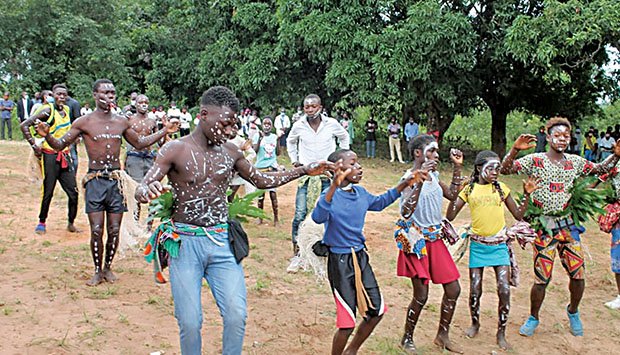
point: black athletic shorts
(341, 277)
(102, 194)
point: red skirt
(436, 266)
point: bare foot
(472, 331)
(501, 341)
(72, 228)
(444, 342)
(96, 280)
(408, 346)
(275, 222)
(109, 276)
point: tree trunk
(498, 130)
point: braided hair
(482, 158)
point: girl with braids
(486, 197)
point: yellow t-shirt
(487, 209)
(59, 125)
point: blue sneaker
(528, 328)
(576, 328)
(40, 229)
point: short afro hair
(98, 83)
(220, 96)
(339, 154)
(557, 121)
(313, 97)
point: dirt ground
(46, 308)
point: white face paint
(488, 168)
(428, 148)
(560, 137)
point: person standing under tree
(264, 145)
(312, 138)
(102, 132)
(6, 106)
(283, 126)
(394, 140)
(371, 137)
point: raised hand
(318, 168)
(456, 156)
(340, 174)
(171, 125)
(246, 145)
(531, 184)
(43, 129)
(429, 165)
(525, 142)
(416, 177)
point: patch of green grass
(154, 300)
(46, 243)
(7, 311)
(2, 250)
(103, 293)
(122, 318)
(384, 345)
(257, 256)
(261, 284)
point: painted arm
(43, 129)
(266, 180)
(530, 185)
(451, 192)
(150, 188)
(606, 165)
(140, 142)
(524, 142)
(454, 207)
(31, 121)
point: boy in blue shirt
(342, 208)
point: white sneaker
(294, 265)
(615, 304)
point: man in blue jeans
(199, 167)
(312, 138)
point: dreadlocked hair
(480, 160)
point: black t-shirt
(371, 127)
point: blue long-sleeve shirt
(344, 217)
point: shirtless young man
(139, 161)
(199, 167)
(102, 132)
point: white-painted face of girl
(490, 170)
(559, 138)
(431, 151)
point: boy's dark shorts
(103, 195)
(341, 277)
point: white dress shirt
(305, 145)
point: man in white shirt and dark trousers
(312, 138)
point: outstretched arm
(266, 180)
(524, 142)
(606, 165)
(140, 142)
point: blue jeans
(301, 208)
(370, 149)
(200, 257)
(605, 155)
